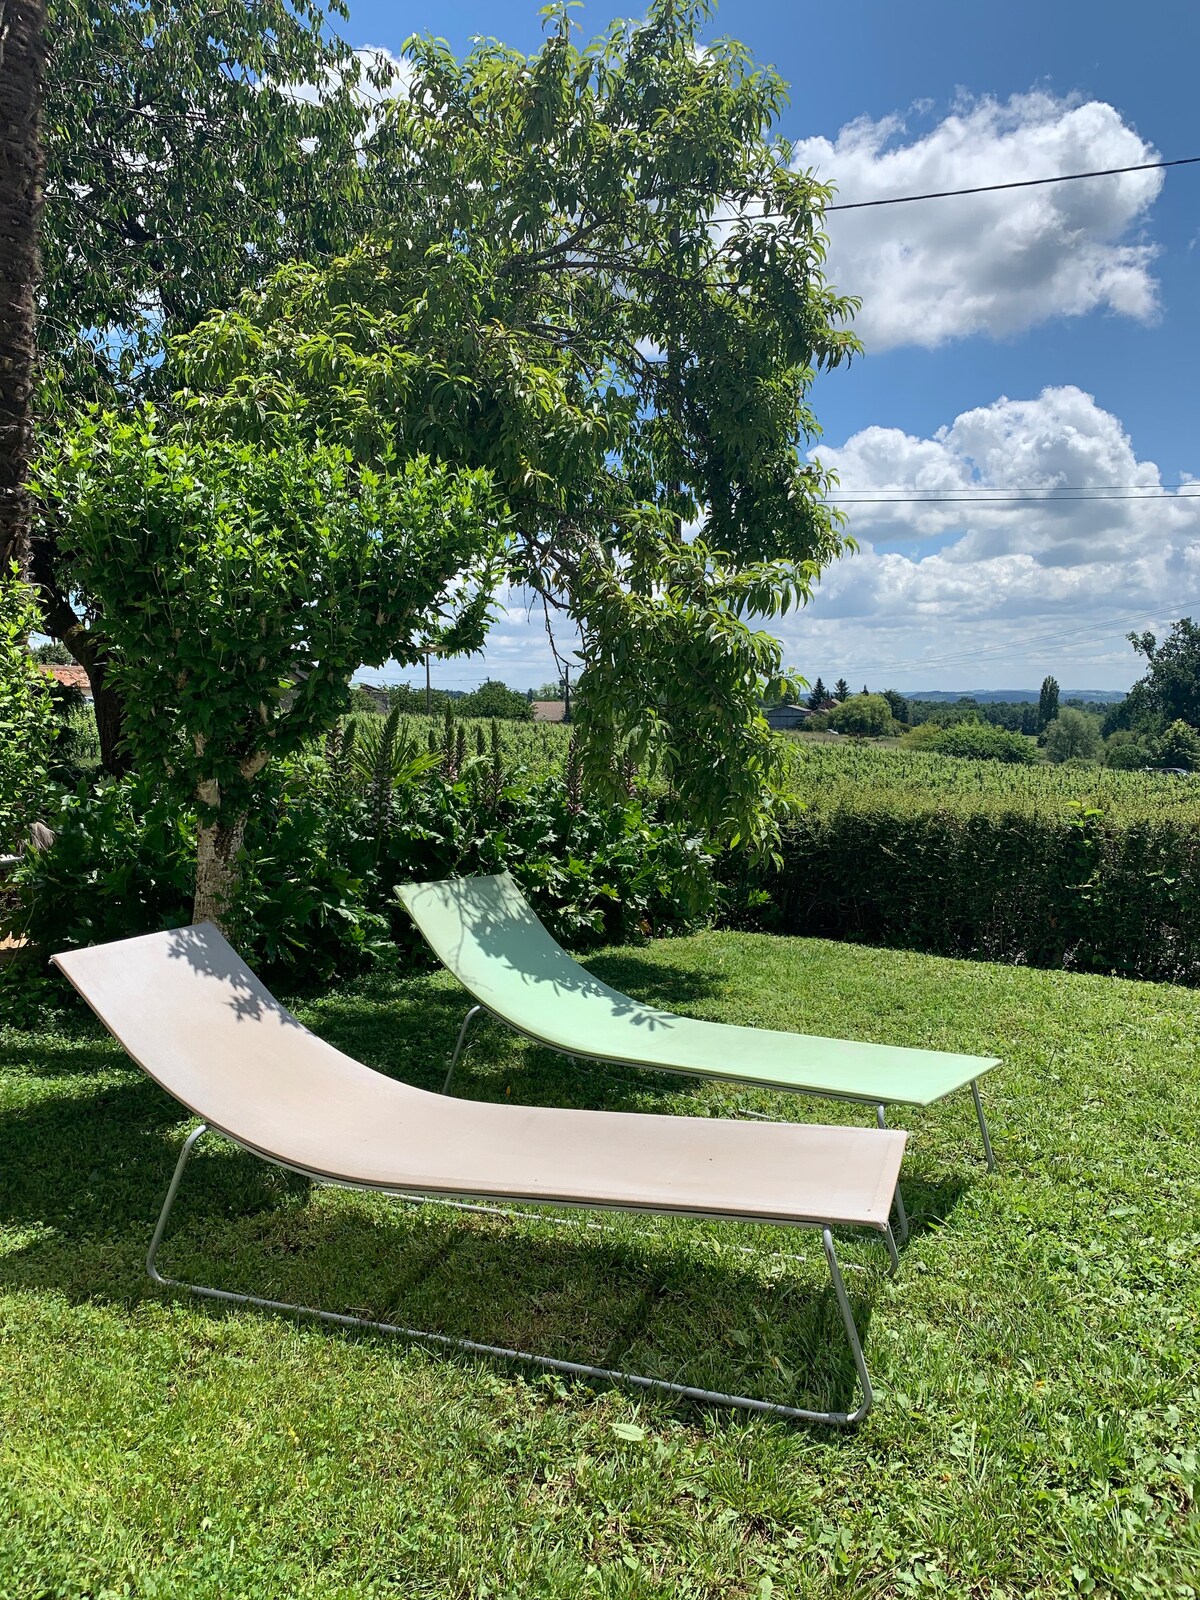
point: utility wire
(1025, 488)
(997, 499)
(982, 188)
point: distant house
(71, 677)
(785, 717)
(549, 711)
(376, 693)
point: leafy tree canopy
(188, 155)
(865, 715)
(1073, 736)
(495, 699)
(184, 163)
(553, 303)
(1179, 746)
(241, 586)
(898, 704)
(1047, 702)
(975, 741)
(51, 654)
(27, 728)
(1170, 690)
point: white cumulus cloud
(969, 592)
(996, 263)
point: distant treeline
(491, 699)
(1018, 716)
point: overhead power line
(981, 188)
(998, 499)
(1022, 488)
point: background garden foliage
(27, 725)
(1050, 865)
(380, 802)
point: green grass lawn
(1038, 1388)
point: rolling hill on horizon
(1107, 696)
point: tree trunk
(217, 845)
(110, 722)
(60, 620)
(22, 65)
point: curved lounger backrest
(194, 1016)
(484, 930)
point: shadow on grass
(413, 1039)
(652, 982)
(86, 1176)
(21, 1054)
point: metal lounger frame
(576, 1369)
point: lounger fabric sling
(200, 1023)
(484, 930)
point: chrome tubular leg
(849, 1418)
(898, 1198)
(889, 1238)
(164, 1214)
(462, 1034)
(576, 1369)
(983, 1127)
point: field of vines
(856, 775)
(534, 749)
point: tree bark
(217, 845)
(22, 69)
(62, 623)
(109, 709)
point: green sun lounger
(484, 930)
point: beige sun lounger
(201, 1024)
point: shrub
(978, 741)
(495, 699)
(1074, 890)
(27, 728)
(1124, 752)
(866, 716)
(1073, 736)
(1179, 746)
(340, 828)
(121, 864)
(925, 736)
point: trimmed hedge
(1076, 891)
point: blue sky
(1047, 336)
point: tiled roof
(72, 675)
(549, 711)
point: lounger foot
(576, 1369)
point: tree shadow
(99, 1161)
(654, 982)
(413, 1040)
(22, 1054)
